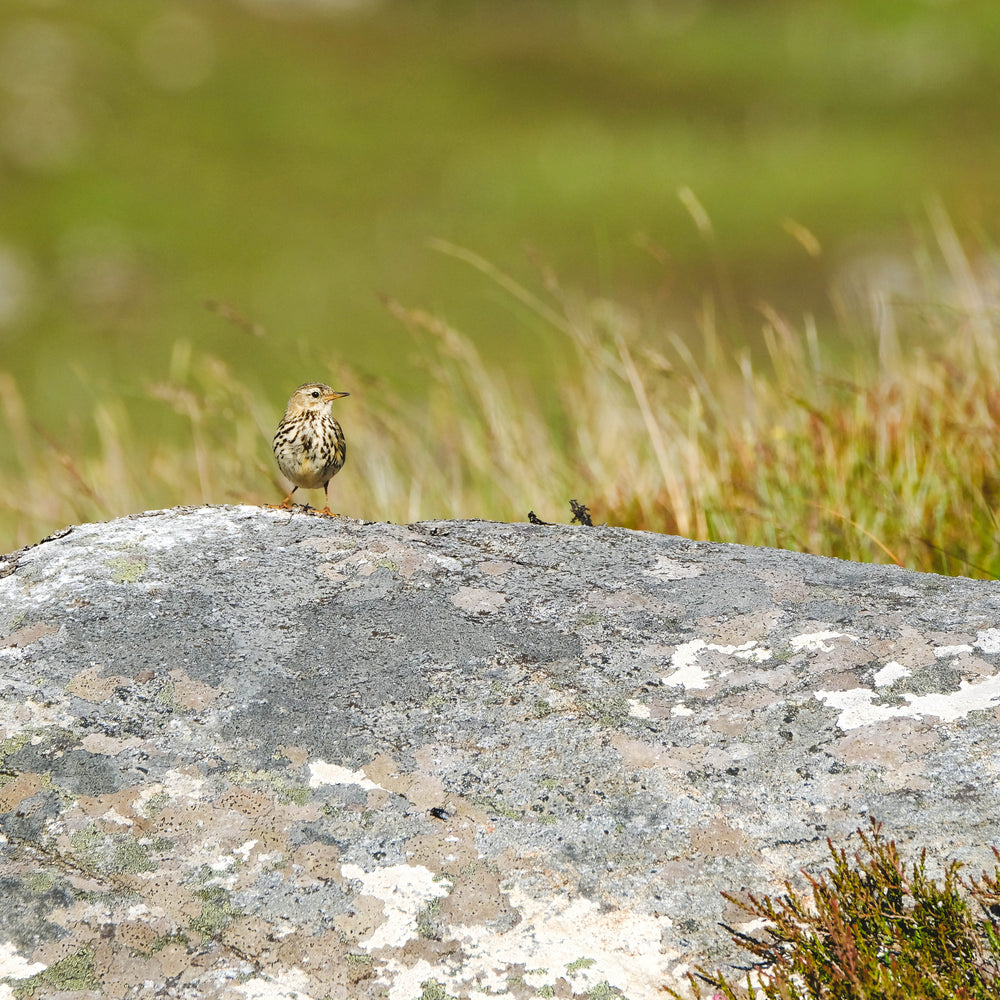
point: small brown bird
(309, 444)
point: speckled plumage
(309, 444)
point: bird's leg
(326, 496)
(285, 504)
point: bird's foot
(285, 504)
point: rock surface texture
(249, 754)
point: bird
(309, 444)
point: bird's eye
(315, 394)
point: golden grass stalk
(892, 459)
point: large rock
(257, 755)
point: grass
(887, 456)
(871, 928)
(300, 173)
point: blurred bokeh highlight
(313, 169)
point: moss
(579, 964)
(74, 972)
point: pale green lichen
(14, 744)
(580, 964)
(284, 790)
(427, 920)
(217, 912)
(155, 803)
(609, 712)
(116, 853)
(605, 991)
(126, 569)
(166, 696)
(174, 937)
(9, 623)
(74, 972)
(431, 989)
(498, 808)
(39, 881)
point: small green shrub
(872, 929)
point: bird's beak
(335, 395)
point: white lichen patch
(857, 705)
(30, 715)
(673, 569)
(818, 642)
(889, 674)
(404, 890)
(690, 675)
(13, 966)
(288, 985)
(988, 640)
(943, 652)
(322, 773)
(176, 785)
(114, 816)
(398, 555)
(557, 937)
(109, 746)
(638, 710)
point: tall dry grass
(890, 456)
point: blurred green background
(291, 159)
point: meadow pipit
(309, 444)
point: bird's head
(316, 396)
